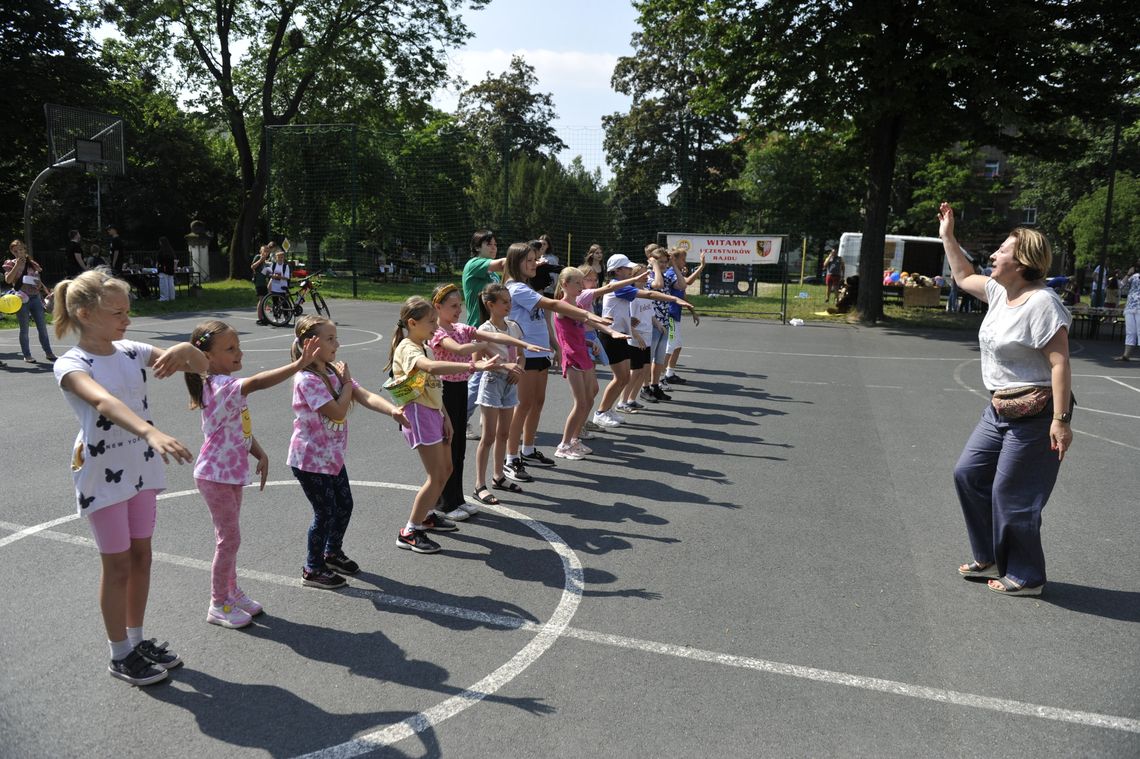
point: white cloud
(555, 69)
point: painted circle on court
(548, 632)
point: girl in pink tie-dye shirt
(223, 463)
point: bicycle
(280, 308)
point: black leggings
(455, 404)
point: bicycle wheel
(320, 306)
(278, 309)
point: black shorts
(638, 357)
(616, 350)
(536, 363)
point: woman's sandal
(502, 483)
(975, 570)
(482, 495)
(1008, 587)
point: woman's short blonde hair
(1032, 250)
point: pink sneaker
(245, 603)
(577, 445)
(228, 615)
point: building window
(1029, 216)
(992, 170)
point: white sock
(512, 458)
(527, 450)
(669, 373)
(120, 648)
(412, 526)
(134, 635)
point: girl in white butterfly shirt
(115, 463)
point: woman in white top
(1008, 468)
(1130, 291)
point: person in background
(76, 264)
(482, 269)
(260, 282)
(166, 265)
(1130, 290)
(116, 249)
(22, 273)
(832, 274)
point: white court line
(559, 626)
(1122, 384)
(975, 391)
(547, 634)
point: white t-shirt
(109, 464)
(503, 351)
(277, 285)
(642, 310)
(1011, 338)
(525, 312)
(617, 308)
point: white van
(914, 255)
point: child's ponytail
(202, 338)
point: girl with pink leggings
(223, 463)
(117, 460)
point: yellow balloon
(10, 303)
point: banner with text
(727, 249)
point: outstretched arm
(696, 272)
(618, 284)
(505, 339)
(271, 377)
(379, 404)
(960, 267)
(182, 357)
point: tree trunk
(881, 169)
(245, 230)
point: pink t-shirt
(460, 333)
(571, 337)
(228, 432)
(318, 443)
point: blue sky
(573, 47)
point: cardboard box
(922, 297)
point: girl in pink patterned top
(577, 360)
(223, 463)
(323, 393)
(456, 341)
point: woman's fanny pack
(1018, 402)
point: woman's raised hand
(945, 220)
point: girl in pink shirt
(577, 359)
(223, 463)
(323, 393)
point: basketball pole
(34, 190)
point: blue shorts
(495, 392)
(657, 350)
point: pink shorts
(115, 526)
(427, 425)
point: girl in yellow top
(428, 430)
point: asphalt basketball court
(765, 567)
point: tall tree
(295, 52)
(507, 120)
(662, 140)
(926, 73)
(46, 56)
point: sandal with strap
(976, 569)
(502, 483)
(1008, 587)
(483, 495)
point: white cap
(617, 261)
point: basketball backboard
(85, 139)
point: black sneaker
(537, 458)
(514, 470)
(322, 578)
(158, 655)
(660, 394)
(439, 523)
(417, 542)
(341, 564)
(136, 670)
(647, 395)
(677, 379)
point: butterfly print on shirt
(104, 423)
(85, 501)
(112, 476)
(95, 450)
(139, 484)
